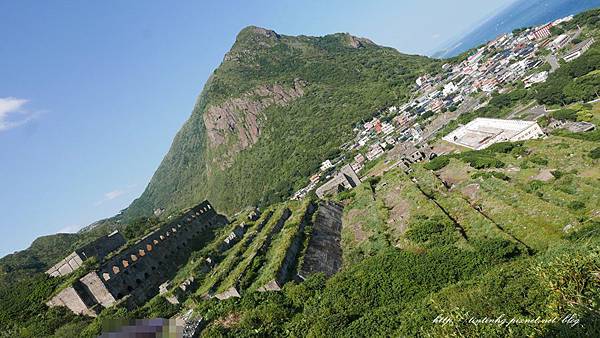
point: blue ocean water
(522, 13)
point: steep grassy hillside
(274, 109)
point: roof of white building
(478, 133)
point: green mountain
(447, 248)
(270, 113)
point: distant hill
(273, 110)
(522, 13)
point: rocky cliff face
(235, 124)
(270, 113)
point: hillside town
(523, 57)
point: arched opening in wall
(155, 242)
(116, 269)
(168, 234)
(134, 258)
(179, 225)
(162, 238)
(125, 263)
(106, 276)
(129, 288)
(138, 281)
(141, 253)
(174, 230)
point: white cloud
(111, 195)
(70, 229)
(12, 113)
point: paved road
(469, 104)
(553, 61)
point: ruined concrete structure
(345, 179)
(286, 270)
(98, 249)
(324, 251)
(136, 273)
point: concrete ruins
(345, 179)
(98, 249)
(285, 271)
(135, 274)
(324, 251)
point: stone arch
(141, 253)
(133, 258)
(115, 269)
(162, 237)
(155, 242)
(174, 230)
(125, 263)
(106, 276)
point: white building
(535, 78)
(483, 132)
(559, 42)
(387, 128)
(578, 50)
(326, 165)
(374, 152)
(449, 88)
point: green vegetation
(576, 81)
(510, 231)
(499, 106)
(344, 85)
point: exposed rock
(545, 175)
(240, 119)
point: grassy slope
(344, 86)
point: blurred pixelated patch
(143, 328)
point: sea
(522, 13)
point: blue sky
(92, 93)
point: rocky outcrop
(239, 119)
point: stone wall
(98, 249)
(138, 271)
(324, 251)
(346, 178)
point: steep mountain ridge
(274, 109)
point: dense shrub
(479, 160)
(565, 115)
(437, 163)
(490, 174)
(432, 231)
(576, 205)
(539, 160)
(595, 153)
